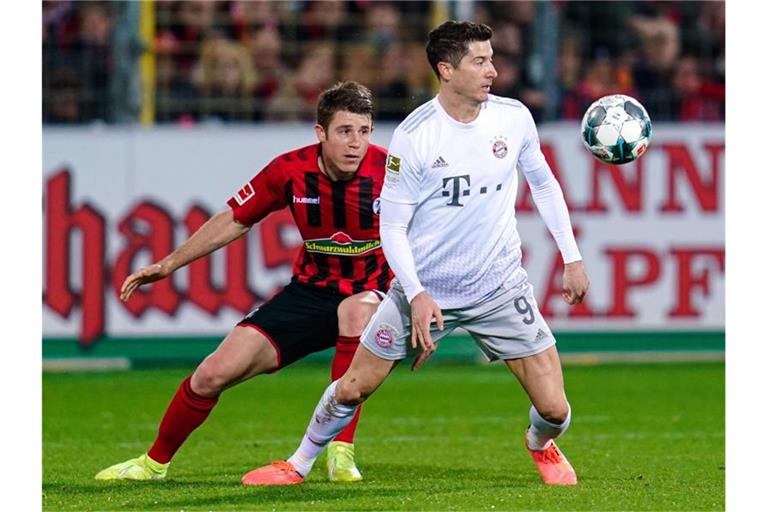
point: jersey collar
(453, 122)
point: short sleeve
(262, 195)
(531, 157)
(402, 178)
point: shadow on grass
(384, 483)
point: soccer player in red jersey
(339, 277)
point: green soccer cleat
(341, 463)
(140, 468)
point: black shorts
(298, 321)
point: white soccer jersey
(463, 179)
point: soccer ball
(616, 129)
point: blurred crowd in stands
(241, 61)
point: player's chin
(349, 170)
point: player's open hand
(142, 276)
(575, 283)
(420, 359)
(423, 311)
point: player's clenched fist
(142, 276)
(575, 283)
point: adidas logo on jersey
(541, 335)
(439, 163)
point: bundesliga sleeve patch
(393, 163)
(244, 194)
(393, 170)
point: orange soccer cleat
(278, 473)
(553, 466)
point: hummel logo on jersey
(439, 163)
(306, 200)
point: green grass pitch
(643, 437)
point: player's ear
(446, 70)
(320, 132)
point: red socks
(345, 351)
(188, 410)
(185, 413)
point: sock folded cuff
(334, 408)
(546, 427)
(195, 401)
(347, 343)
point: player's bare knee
(353, 317)
(209, 379)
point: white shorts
(505, 325)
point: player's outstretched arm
(575, 282)
(220, 230)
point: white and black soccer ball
(616, 129)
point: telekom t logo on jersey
(459, 186)
(455, 183)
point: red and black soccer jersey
(339, 221)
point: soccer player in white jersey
(448, 230)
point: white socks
(329, 418)
(542, 431)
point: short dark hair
(449, 42)
(350, 96)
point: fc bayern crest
(500, 149)
(385, 335)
